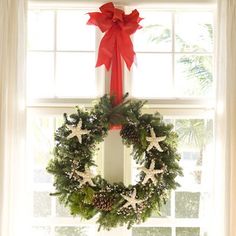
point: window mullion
(173, 231)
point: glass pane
(192, 172)
(151, 231)
(195, 134)
(72, 31)
(75, 231)
(42, 204)
(192, 158)
(187, 205)
(40, 30)
(193, 75)
(62, 211)
(187, 231)
(156, 32)
(196, 148)
(60, 121)
(153, 76)
(41, 231)
(194, 31)
(76, 75)
(40, 145)
(41, 176)
(40, 74)
(164, 211)
(41, 139)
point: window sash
(102, 76)
(173, 106)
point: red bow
(116, 42)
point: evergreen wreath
(154, 149)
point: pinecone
(129, 133)
(103, 202)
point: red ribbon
(116, 43)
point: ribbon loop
(116, 42)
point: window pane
(76, 75)
(164, 211)
(153, 76)
(72, 31)
(61, 211)
(40, 145)
(196, 148)
(187, 231)
(193, 75)
(155, 34)
(75, 231)
(40, 74)
(41, 30)
(192, 171)
(41, 176)
(41, 231)
(187, 205)
(151, 231)
(194, 31)
(41, 131)
(59, 121)
(42, 204)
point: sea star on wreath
(131, 200)
(154, 141)
(86, 176)
(150, 173)
(77, 131)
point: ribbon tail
(126, 49)
(116, 84)
(106, 48)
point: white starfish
(87, 177)
(154, 141)
(77, 131)
(150, 173)
(131, 200)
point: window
(61, 73)
(61, 58)
(180, 43)
(175, 66)
(175, 55)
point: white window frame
(167, 107)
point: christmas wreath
(154, 149)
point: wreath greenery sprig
(154, 149)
